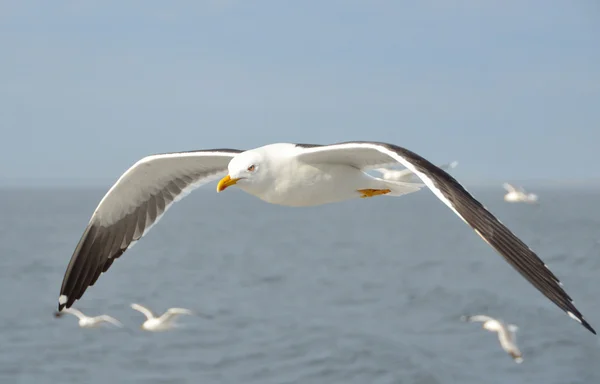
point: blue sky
(511, 89)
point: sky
(510, 89)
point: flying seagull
(506, 334)
(515, 195)
(89, 322)
(406, 174)
(286, 174)
(162, 323)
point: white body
(514, 195)
(313, 184)
(165, 322)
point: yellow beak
(226, 182)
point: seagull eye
(251, 168)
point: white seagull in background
(506, 334)
(294, 175)
(89, 322)
(164, 322)
(518, 195)
(407, 175)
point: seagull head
(246, 170)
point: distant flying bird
(162, 323)
(506, 334)
(406, 175)
(89, 322)
(518, 195)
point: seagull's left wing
(367, 155)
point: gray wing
(132, 206)
(368, 155)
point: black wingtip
(62, 302)
(579, 318)
(587, 326)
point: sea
(369, 291)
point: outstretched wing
(509, 188)
(140, 308)
(75, 312)
(478, 318)
(172, 312)
(110, 319)
(366, 155)
(132, 206)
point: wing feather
(132, 206)
(365, 154)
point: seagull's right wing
(509, 188)
(140, 308)
(479, 318)
(110, 319)
(75, 312)
(395, 175)
(132, 206)
(172, 312)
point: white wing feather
(140, 308)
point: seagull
(515, 195)
(89, 322)
(406, 174)
(162, 323)
(506, 334)
(294, 175)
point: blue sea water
(366, 291)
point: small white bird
(162, 323)
(519, 195)
(506, 334)
(406, 175)
(89, 322)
